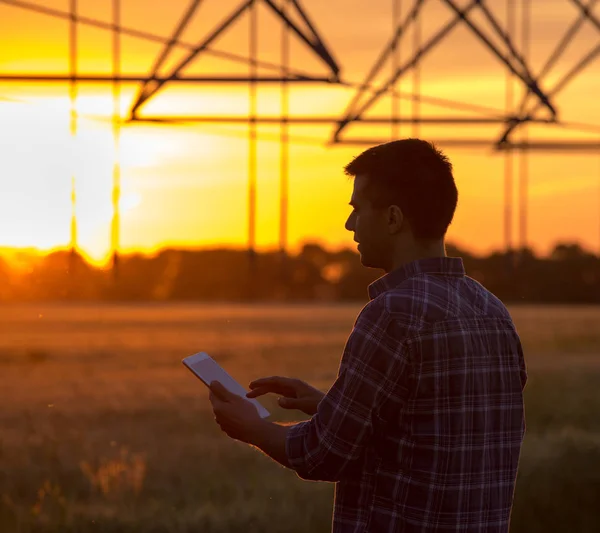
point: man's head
(404, 199)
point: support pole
(73, 128)
(252, 148)
(524, 154)
(396, 14)
(508, 156)
(285, 145)
(116, 193)
(416, 80)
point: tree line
(569, 274)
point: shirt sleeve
(329, 445)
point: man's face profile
(366, 223)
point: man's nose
(349, 224)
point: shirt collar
(446, 266)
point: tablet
(208, 370)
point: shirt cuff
(295, 447)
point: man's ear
(395, 219)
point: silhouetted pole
(416, 80)
(508, 155)
(523, 153)
(285, 148)
(396, 14)
(116, 193)
(73, 132)
(252, 149)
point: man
(422, 429)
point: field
(103, 429)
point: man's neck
(435, 249)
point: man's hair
(414, 175)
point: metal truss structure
(512, 55)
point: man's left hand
(236, 416)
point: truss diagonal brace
(505, 36)
(382, 58)
(165, 52)
(588, 13)
(315, 43)
(585, 14)
(560, 85)
(527, 78)
(197, 50)
(409, 64)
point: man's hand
(236, 416)
(296, 394)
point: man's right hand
(296, 394)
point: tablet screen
(208, 371)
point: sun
(39, 157)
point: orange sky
(187, 185)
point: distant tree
(569, 252)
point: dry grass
(104, 430)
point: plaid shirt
(423, 426)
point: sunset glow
(186, 185)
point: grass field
(103, 429)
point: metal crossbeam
(332, 120)
(590, 147)
(94, 78)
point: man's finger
(265, 381)
(259, 391)
(276, 388)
